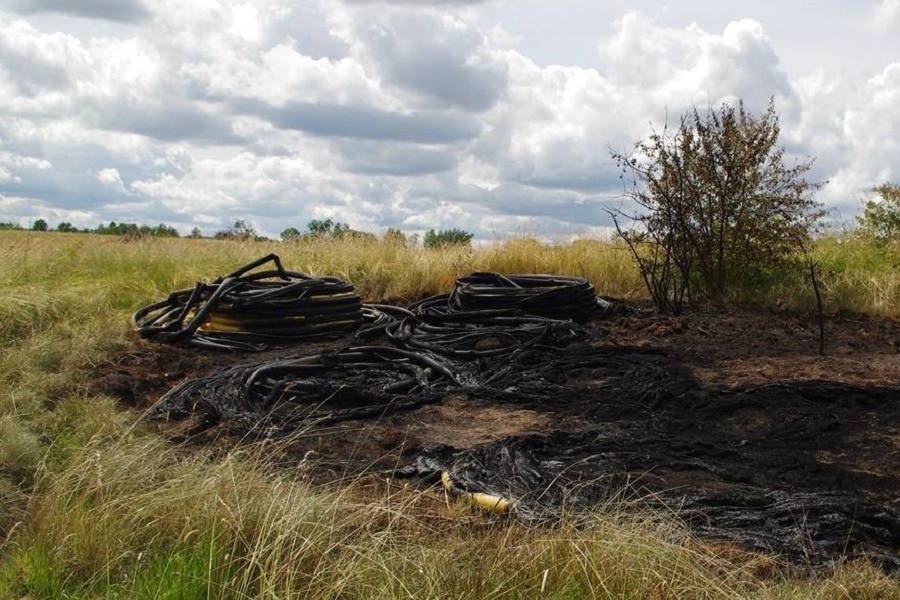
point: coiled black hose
(550, 296)
(252, 311)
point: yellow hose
(497, 504)
(488, 502)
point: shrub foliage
(447, 237)
(715, 204)
(881, 218)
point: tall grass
(93, 505)
(135, 517)
(129, 516)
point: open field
(97, 503)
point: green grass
(93, 505)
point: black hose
(253, 311)
(550, 296)
(280, 396)
(481, 334)
(490, 331)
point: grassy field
(94, 505)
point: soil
(728, 418)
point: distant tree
(133, 230)
(40, 225)
(242, 231)
(13, 226)
(881, 217)
(291, 234)
(66, 227)
(110, 229)
(195, 233)
(327, 227)
(163, 230)
(447, 237)
(113, 228)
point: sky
(493, 116)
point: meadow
(94, 503)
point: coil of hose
(550, 296)
(253, 310)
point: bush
(447, 237)
(716, 205)
(881, 218)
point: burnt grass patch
(725, 418)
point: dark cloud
(71, 190)
(446, 78)
(31, 75)
(558, 205)
(121, 11)
(163, 119)
(387, 158)
(366, 122)
(586, 181)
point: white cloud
(887, 15)
(556, 123)
(110, 177)
(690, 66)
(408, 114)
(866, 131)
(39, 65)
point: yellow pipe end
(488, 502)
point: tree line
(112, 228)
(336, 229)
(242, 231)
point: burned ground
(727, 418)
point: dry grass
(129, 516)
(92, 505)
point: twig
(812, 274)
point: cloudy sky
(494, 116)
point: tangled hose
(354, 383)
(252, 311)
(473, 335)
(550, 296)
